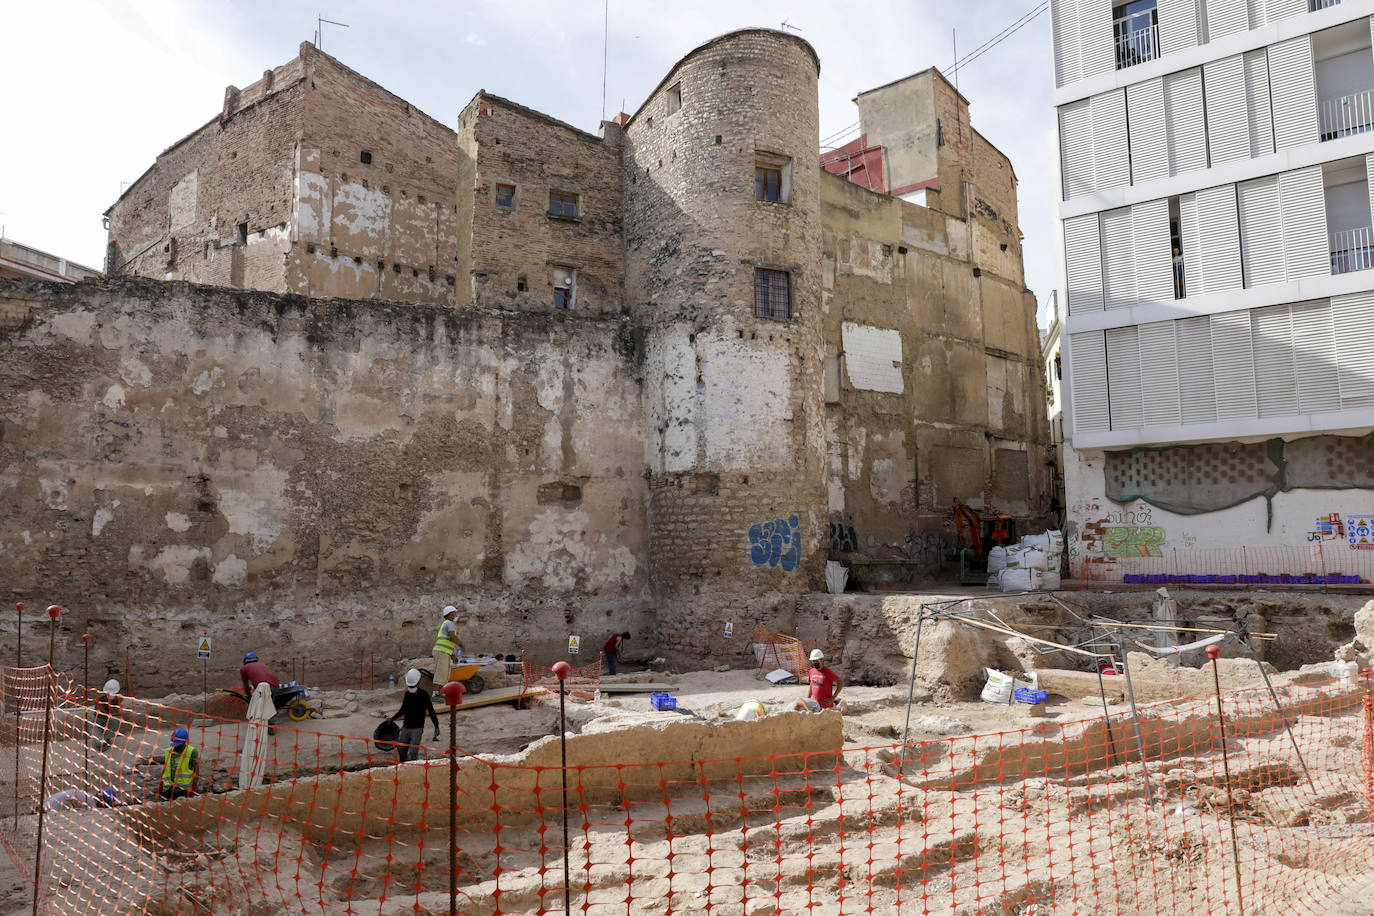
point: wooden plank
(637, 688)
(492, 697)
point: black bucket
(384, 738)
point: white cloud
(473, 38)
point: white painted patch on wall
(178, 522)
(175, 562)
(54, 493)
(361, 211)
(279, 233)
(230, 571)
(135, 373)
(872, 357)
(102, 517)
(181, 202)
(252, 516)
(207, 380)
(312, 213)
(76, 326)
(556, 550)
(746, 402)
(114, 397)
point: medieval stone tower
(722, 269)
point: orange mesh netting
(1065, 817)
(774, 650)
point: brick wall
(524, 246)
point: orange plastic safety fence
(583, 680)
(774, 650)
(1070, 816)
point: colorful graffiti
(776, 543)
(1133, 541)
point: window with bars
(772, 293)
(562, 204)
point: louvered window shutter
(1177, 25)
(1088, 381)
(1123, 376)
(1314, 357)
(1271, 339)
(1255, 13)
(1259, 116)
(1096, 44)
(1083, 259)
(1282, 9)
(1369, 173)
(1293, 91)
(1228, 135)
(1183, 117)
(1351, 318)
(1189, 229)
(1064, 17)
(1305, 245)
(1111, 162)
(1197, 392)
(1149, 141)
(1159, 374)
(1076, 148)
(1153, 254)
(1118, 259)
(1226, 17)
(1261, 231)
(1218, 264)
(1233, 366)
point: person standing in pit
(823, 686)
(180, 767)
(446, 647)
(614, 646)
(415, 705)
(107, 709)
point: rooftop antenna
(954, 37)
(319, 29)
(787, 26)
(605, 44)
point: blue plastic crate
(1027, 695)
(662, 701)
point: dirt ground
(1017, 819)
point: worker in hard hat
(180, 767)
(108, 703)
(254, 672)
(415, 705)
(446, 646)
(823, 686)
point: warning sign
(729, 629)
(573, 645)
(203, 647)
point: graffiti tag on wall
(776, 543)
(1133, 541)
(843, 539)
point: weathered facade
(313, 180)
(685, 367)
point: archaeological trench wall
(312, 477)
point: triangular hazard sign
(204, 644)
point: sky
(97, 89)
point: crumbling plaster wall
(951, 406)
(524, 245)
(314, 476)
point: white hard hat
(817, 655)
(111, 687)
(412, 678)
(448, 609)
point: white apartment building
(1216, 285)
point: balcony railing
(1136, 44)
(1351, 250)
(1314, 5)
(1347, 114)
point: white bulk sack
(836, 576)
(1019, 578)
(997, 559)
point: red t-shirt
(822, 683)
(255, 673)
(612, 646)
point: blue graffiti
(776, 543)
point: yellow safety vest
(443, 642)
(180, 775)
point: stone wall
(313, 477)
(734, 437)
(938, 387)
(514, 253)
(274, 194)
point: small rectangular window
(505, 196)
(767, 184)
(674, 97)
(562, 297)
(772, 293)
(564, 287)
(243, 233)
(562, 204)
(365, 157)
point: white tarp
(256, 747)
